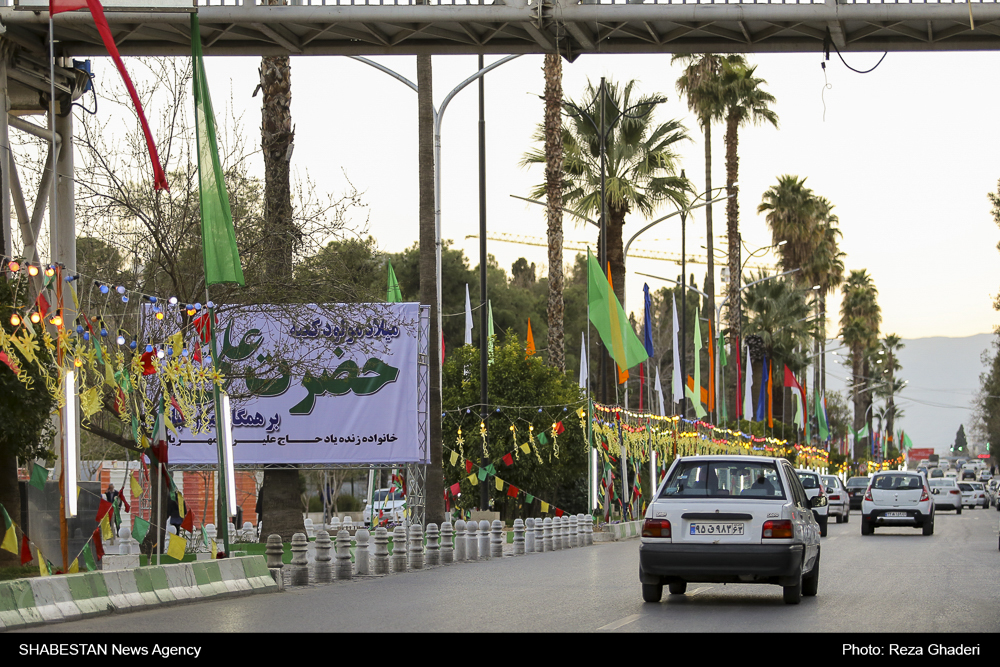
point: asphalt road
(895, 581)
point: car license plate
(896, 514)
(716, 528)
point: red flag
(203, 326)
(43, 304)
(98, 545)
(4, 358)
(128, 508)
(101, 23)
(103, 509)
(512, 491)
(177, 407)
(508, 459)
(456, 488)
(147, 363)
(468, 466)
(25, 550)
(188, 523)
(559, 512)
(559, 428)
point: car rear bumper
(718, 563)
(838, 510)
(913, 517)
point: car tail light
(956, 491)
(780, 529)
(868, 495)
(656, 528)
(836, 497)
(925, 496)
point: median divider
(65, 597)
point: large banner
(309, 389)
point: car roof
(735, 457)
(808, 472)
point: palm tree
(824, 268)
(888, 364)
(700, 84)
(745, 102)
(640, 165)
(553, 200)
(860, 317)
(281, 487)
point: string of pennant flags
(92, 551)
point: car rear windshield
(808, 481)
(861, 482)
(722, 479)
(383, 494)
(942, 482)
(893, 482)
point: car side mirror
(818, 501)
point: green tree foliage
(961, 445)
(523, 392)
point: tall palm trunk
(709, 234)
(553, 198)
(733, 225)
(281, 505)
(434, 480)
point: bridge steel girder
(571, 29)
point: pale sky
(906, 154)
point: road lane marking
(620, 623)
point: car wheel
(678, 587)
(793, 594)
(929, 527)
(652, 592)
(847, 517)
(958, 511)
(823, 520)
(866, 527)
(810, 583)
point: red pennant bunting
(103, 509)
(188, 523)
(201, 323)
(559, 428)
(512, 491)
(468, 466)
(508, 459)
(25, 550)
(43, 304)
(128, 508)
(98, 545)
(559, 512)
(177, 407)
(147, 363)
(5, 359)
(456, 488)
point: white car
(733, 520)
(974, 495)
(385, 508)
(897, 498)
(814, 487)
(837, 497)
(946, 494)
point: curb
(619, 531)
(66, 597)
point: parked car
(734, 520)
(856, 487)
(946, 494)
(974, 495)
(814, 487)
(837, 498)
(385, 507)
(897, 498)
(991, 489)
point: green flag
(824, 429)
(139, 529)
(39, 475)
(89, 561)
(489, 330)
(392, 293)
(222, 259)
(610, 320)
(695, 395)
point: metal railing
(449, 3)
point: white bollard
(460, 553)
(433, 556)
(300, 560)
(484, 540)
(447, 544)
(381, 550)
(471, 541)
(539, 536)
(361, 562)
(398, 557)
(589, 529)
(518, 537)
(572, 532)
(496, 539)
(547, 527)
(415, 549)
(557, 535)
(529, 536)
(322, 567)
(343, 569)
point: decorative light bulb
(15, 319)
(172, 301)
(149, 347)
(13, 266)
(57, 320)
(105, 289)
(77, 362)
(160, 353)
(32, 270)
(36, 317)
(120, 289)
(50, 271)
(120, 340)
(132, 345)
(159, 314)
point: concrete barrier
(619, 531)
(64, 597)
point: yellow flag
(526, 448)
(106, 532)
(180, 505)
(545, 506)
(454, 458)
(215, 549)
(474, 479)
(499, 484)
(176, 547)
(74, 567)
(42, 569)
(136, 487)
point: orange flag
(711, 370)
(530, 347)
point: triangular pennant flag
(89, 561)
(9, 535)
(106, 532)
(98, 544)
(43, 569)
(468, 317)
(468, 465)
(102, 510)
(529, 341)
(39, 475)
(508, 459)
(139, 529)
(25, 550)
(74, 567)
(188, 523)
(393, 293)
(583, 362)
(136, 487)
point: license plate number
(716, 528)
(896, 514)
